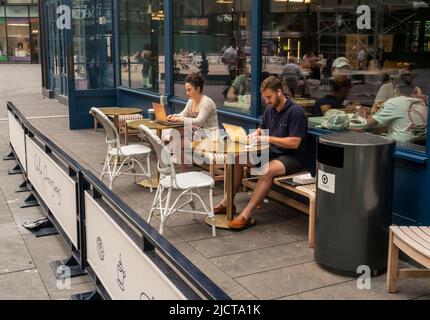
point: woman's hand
(174, 118)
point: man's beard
(276, 104)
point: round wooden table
(232, 151)
(134, 125)
(115, 112)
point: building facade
(130, 52)
(19, 31)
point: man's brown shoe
(241, 223)
(223, 210)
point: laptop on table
(237, 134)
(161, 116)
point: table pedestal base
(145, 183)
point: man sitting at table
(405, 116)
(340, 86)
(287, 125)
(241, 86)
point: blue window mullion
(256, 57)
(116, 59)
(168, 47)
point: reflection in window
(3, 39)
(141, 37)
(326, 62)
(214, 38)
(18, 40)
(92, 44)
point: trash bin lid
(355, 139)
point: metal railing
(154, 250)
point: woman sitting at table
(339, 89)
(200, 111)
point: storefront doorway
(56, 50)
(19, 34)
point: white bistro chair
(121, 160)
(187, 183)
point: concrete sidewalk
(268, 261)
(25, 271)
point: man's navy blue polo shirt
(290, 122)
(329, 100)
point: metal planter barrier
(123, 255)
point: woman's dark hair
(196, 80)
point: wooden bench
(415, 243)
(307, 191)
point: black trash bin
(355, 174)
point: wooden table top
(116, 111)
(134, 125)
(225, 147)
(304, 102)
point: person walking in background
(362, 59)
(204, 66)
(230, 58)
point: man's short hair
(272, 83)
(405, 90)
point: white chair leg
(148, 163)
(114, 172)
(156, 203)
(211, 213)
(193, 206)
(133, 170)
(164, 215)
(105, 167)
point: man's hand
(419, 95)
(258, 140)
(255, 134)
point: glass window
(92, 44)
(18, 39)
(142, 50)
(214, 38)
(34, 11)
(34, 39)
(18, 1)
(3, 39)
(16, 11)
(330, 57)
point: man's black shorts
(292, 164)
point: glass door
(57, 58)
(34, 39)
